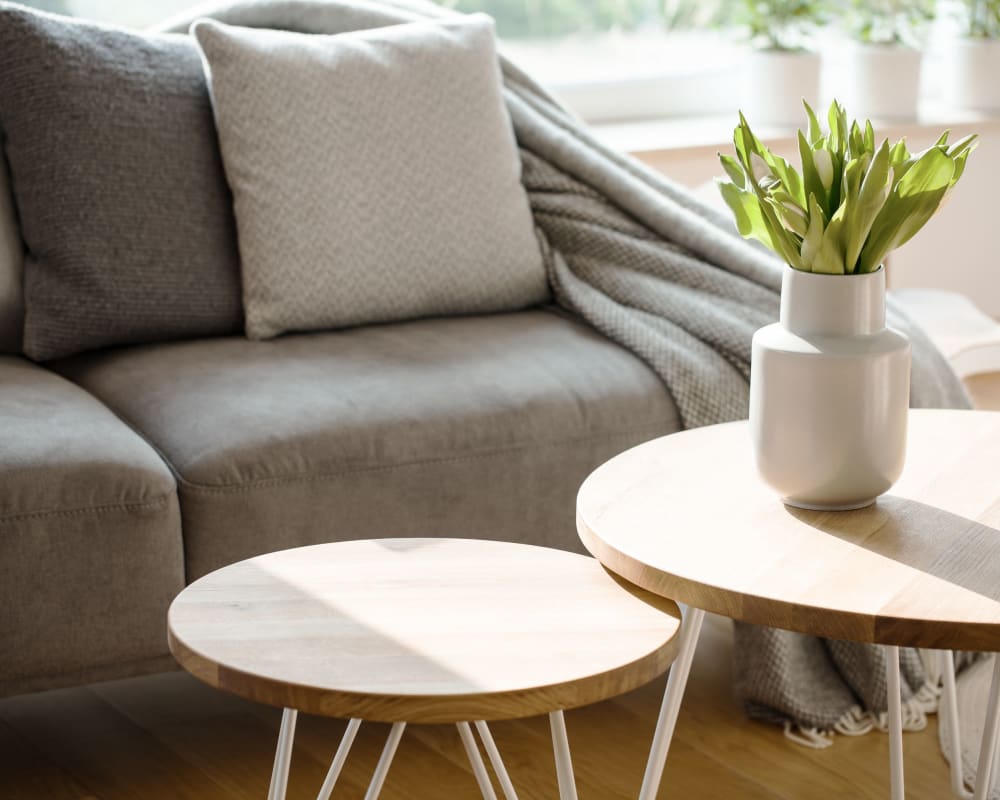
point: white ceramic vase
(775, 82)
(881, 81)
(970, 73)
(830, 392)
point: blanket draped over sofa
(656, 270)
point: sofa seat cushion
(472, 426)
(90, 541)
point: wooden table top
(422, 630)
(686, 516)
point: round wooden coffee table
(686, 516)
(422, 630)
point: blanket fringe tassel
(808, 737)
(857, 722)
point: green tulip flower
(851, 204)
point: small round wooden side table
(422, 630)
(686, 516)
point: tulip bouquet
(852, 203)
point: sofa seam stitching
(234, 488)
(76, 512)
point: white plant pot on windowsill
(881, 81)
(775, 82)
(829, 392)
(971, 74)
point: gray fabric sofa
(128, 472)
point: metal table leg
(690, 629)
(283, 755)
(338, 760)
(991, 735)
(495, 760)
(476, 760)
(893, 691)
(385, 760)
(949, 707)
(564, 764)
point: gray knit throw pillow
(121, 198)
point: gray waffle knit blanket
(659, 272)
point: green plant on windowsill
(982, 19)
(780, 24)
(852, 203)
(888, 22)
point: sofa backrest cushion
(11, 274)
(375, 174)
(122, 203)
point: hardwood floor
(168, 736)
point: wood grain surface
(422, 630)
(686, 516)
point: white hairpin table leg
(564, 764)
(949, 708)
(496, 760)
(283, 756)
(338, 760)
(895, 721)
(385, 760)
(476, 760)
(690, 628)
(991, 733)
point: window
(622, 59)
(607, 59)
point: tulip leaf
(837, 118)
(746, 211)
(788, 178)
(815, 132)
(814, 233)
(912, 202)
(869, 136)
(964, 145)
(790, 215)
(866, 204)
(830, 258)
(857, 141)
(733, 170)
(899, 153)
(960, 165)
(811, 182)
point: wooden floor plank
(712, 723)
(25, 774)
(612, 747)
(169, 736)
(102, 749)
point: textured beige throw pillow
(375, 174)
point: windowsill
(713, 133)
